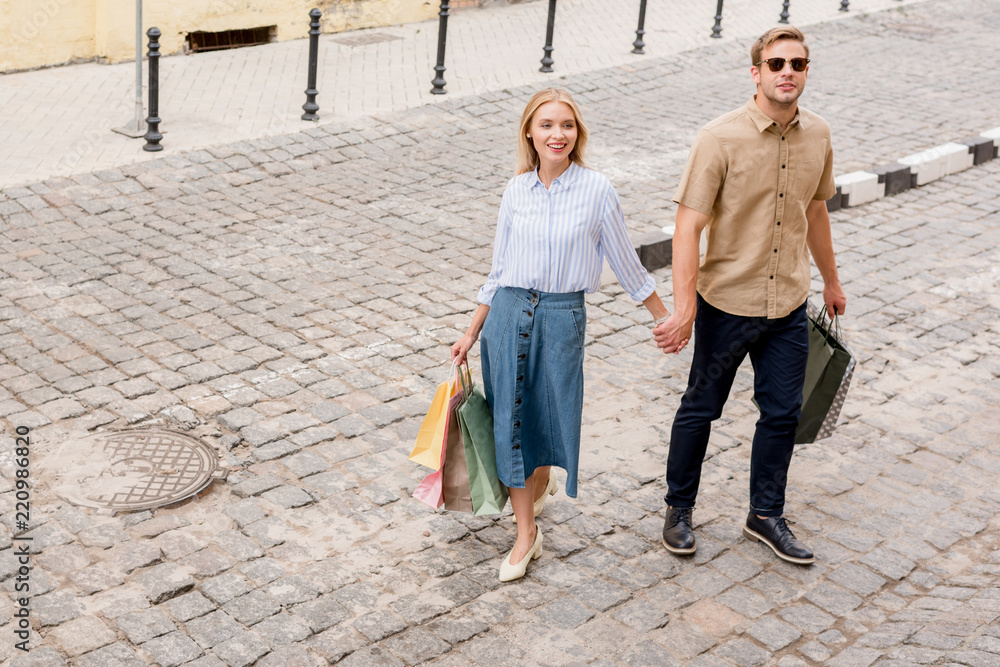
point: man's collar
(762, 121)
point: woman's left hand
(666, 338)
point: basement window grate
(229, 39)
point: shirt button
(517, 401)
(775, 250)
(517, 424)
(782, 166)
(782, 138)
(779, 223)
(781, 194)
(517, 447)
(529, 313)
(524, 356)
(520, 378)
(525, 335)
(772, 277)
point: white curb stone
(860, 187)
(933, 163)
(993, 134)
(958, 157)
(926, 165)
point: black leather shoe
(678, 536)
(775, 533)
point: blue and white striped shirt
(555, 240)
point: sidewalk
(290, 300)
(57, 122)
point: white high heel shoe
(510, 572)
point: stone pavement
(57, 122)
(291, 300)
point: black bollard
(784, 13)
(153, 135)
(310, 107)
(547, 61)
(717, 28)
(843, 5)
(638, 43)
(438, 81)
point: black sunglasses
(778, 64)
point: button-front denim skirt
(532, 353)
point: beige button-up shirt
(755, 182)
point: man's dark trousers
(778, 350)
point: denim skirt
(532, 353)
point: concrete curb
(860, 187)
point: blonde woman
(558, 221)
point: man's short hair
(774, 35)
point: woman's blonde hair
(527, 156)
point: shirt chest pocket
(749, 178)
(805, 177)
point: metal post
(134, 127)
(638, 43)
(547, 61)
(138, 63)
(843, 5)
(784, 12)
(310, 107)
(717, 28)
(438, 80)
(153, 135)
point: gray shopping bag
(829, 370)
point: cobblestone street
(291, 300)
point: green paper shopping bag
(489, 495)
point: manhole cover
(135, 470)
(365, 38)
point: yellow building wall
(36, 33)
(45, 32)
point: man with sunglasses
(756, 181)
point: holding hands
(673, 334)
(665, 329)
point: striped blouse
(555, 240)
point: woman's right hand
(461, 348)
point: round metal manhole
(135, 469)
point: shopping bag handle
(452, 370)
(834, 326)
(465, 379)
